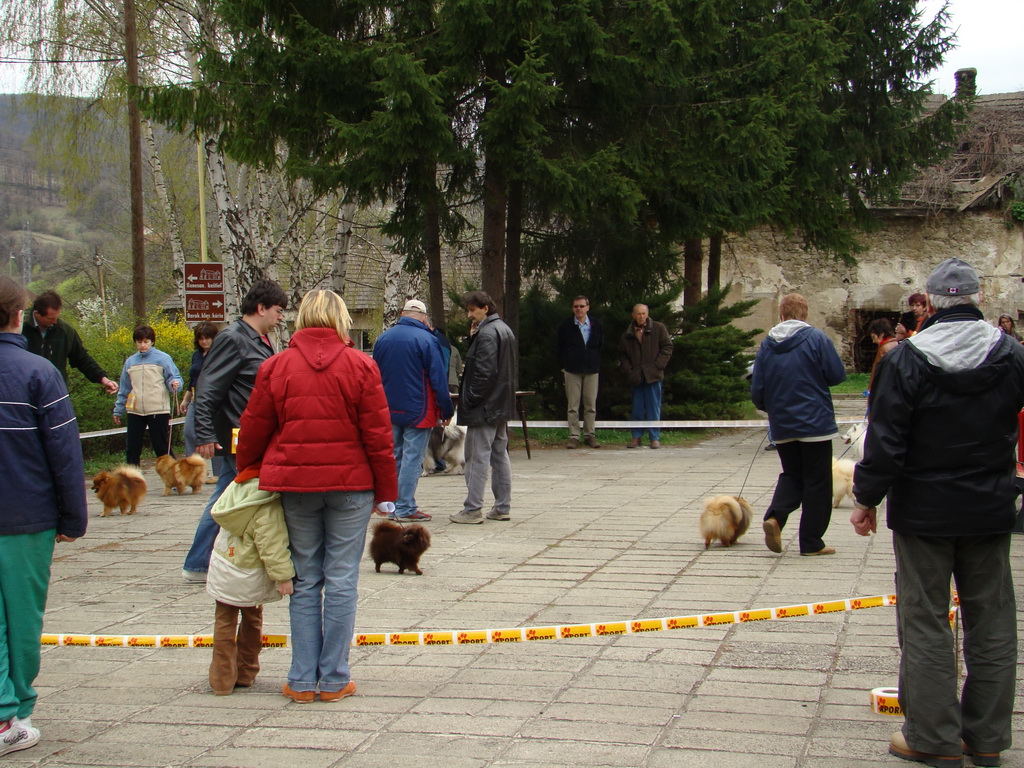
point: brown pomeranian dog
(122, 487)
(725, 518)
(399, 544)
(189, 472)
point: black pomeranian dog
(399, 544)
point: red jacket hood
(319, 346)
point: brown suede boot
(224, 665)
(250, 643)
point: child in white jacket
(250, 566)
(147, 377)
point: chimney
(966, 87)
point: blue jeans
(190, 440)
(198, 557)
(410, 446)
(327, 532)
(647, 407)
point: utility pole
(26, 257)
(131, 55)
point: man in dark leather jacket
(229, 375)
(940, 447)
(487, 400)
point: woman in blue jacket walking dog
(794, 368)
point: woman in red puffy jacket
(319, 424)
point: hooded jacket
(145, 381)
(318, 420)
(943, 429)
(40, 450)
(415, 374)
(793, 370)
(250, 554)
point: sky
(988, 39)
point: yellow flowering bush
(94, 407)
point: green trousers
(24, 579)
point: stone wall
(895, 263)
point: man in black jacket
(229, 375)
(579, 346)
(940, 449)
(50, 337)
(487, 400)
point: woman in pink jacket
(319, 423)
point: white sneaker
(465, 516)
(15, 735)
(193, 577)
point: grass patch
(98, 459)
(555, 438)
(855, 384)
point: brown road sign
(204, 306)
(204, 292)
(204, 277)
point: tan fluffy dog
(122, 487)
(725, 518)
(181, 473)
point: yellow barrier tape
(885, 701)
(512, 635)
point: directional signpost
(204, 292)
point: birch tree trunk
(392, 287)
(170, 220)
(342, 246)
(230, 228)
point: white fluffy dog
(842, 479)
(448, 443)
(855, 438)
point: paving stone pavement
(595, 535)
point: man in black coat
(940, 449)
(50, 337)
(487, 400)
(579, 346)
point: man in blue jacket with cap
(415, 375)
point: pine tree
(706, 379)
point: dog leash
(170, 429)
(749, 468)
(849, 448)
